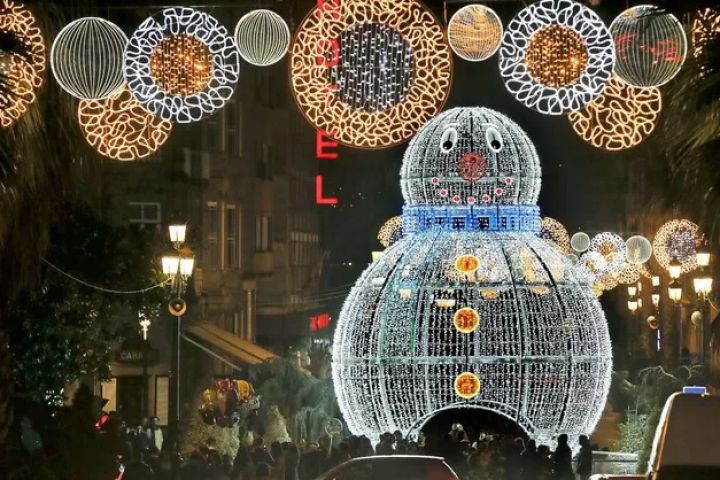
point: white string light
(262, 37)
(87, 58)
(678, 240)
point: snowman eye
(494, 140)
(448, 140)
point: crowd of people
(489, 457)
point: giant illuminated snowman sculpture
(471, 309)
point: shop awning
(229, 343)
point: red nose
(472, 166)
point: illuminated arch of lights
(650, 46)
(556, 56)
(262, 37)
(475, 32)
(23, 73)
(120, 128)
(182, 67)
(620, 117)
(555, 233)
(391, 231)
(677, 239)
(386, 75)
(87, 58)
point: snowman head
(470, 156)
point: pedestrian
(155, 434)
(292, 462)
(584, 467)
(562, 459)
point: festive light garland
(650, 46)
(182, 67)
(475, 32)
(471, 309)
(24, 73)
(556, 56)
(370, 74)
(555, 233)
(639, 249)
(262, 37)
(621, 117)
(120, 128)
(677, 239)
(87, 58)
(391, 231)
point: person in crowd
(262, 471)
(259, 452)
(584, 466)
(562, 459)
(291, 460)
(154, 433)
(140, 440)
(385, 446)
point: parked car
(392, 467)
(686, 445)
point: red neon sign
(320, 199)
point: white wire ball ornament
(621, 117)
(87, 58)
(475, 32)
(391, 231)
(183, 66)
(650, 46)
(262, 37)
(23, 73)
(639, 249)
(555, 233)
(580, 242)
(370, 74)
(556, 56)
(612, 248)
(677, 239)
(118, 127)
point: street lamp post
(703, 287)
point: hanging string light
(262, 37)
(475, 32)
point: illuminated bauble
(608, 281)
(639, 249)
(87, 58)
(621, 117)
(555, 233)
(626, 274)
(556, 56)
(475, 32)
(593, 265)
(650, 46)
(652, 322)
(391, 231)
(677, 239)
(23, 73)
(183, 66)
(696, 318)
(467, 385)
(580, 242)
(120, 128)
(471, 289)
(262, 37)
(705, 29)
(370, 74)
(612, 247)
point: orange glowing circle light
(181, 65)
(556, 56)
(466, 320)
(467, 263)
(467, 385)
(24, 73)
(118, 127)
(370, 74)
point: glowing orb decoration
(677, 239)
(370, 74)
(183, 66)
(120, 128)
(621, 117)
(639, 249)
(612, 248)
(391, 231)
(555, 234)
(467, 385)
(580, 242)
(87, 58)
(696, 318)
(471, 288)
(652, 322)
(705, 29)
(475, 32)
(650, 46)
(466, 320)
(23, 73)
(626, 274)
(556, 56)
(262, 37)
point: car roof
(375, 457)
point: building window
(144, 213)
(212, 226)
(263, 240)
(264, 168)
(233, 128)
(231, 237)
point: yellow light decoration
(467, 263)
(621, 117)
(181, 65)
(556, 56)
(24, 74)
(608, 281)
(489, 293)
(627, 274)
(555, 233)
(540, 290)
(118, 127)
(597, 289)
(652, 322)
(467, 385)
(705, 28)
(677, 239)
(391, 231)
(370, 74)
(475, 32)
(466, 320)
